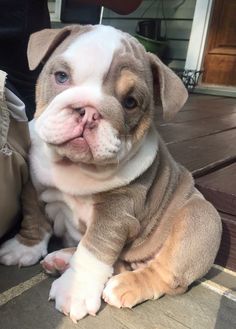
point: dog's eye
(61, 77)
(129, 103)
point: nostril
(81, 111)
(96, 116)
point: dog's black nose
(81, 111)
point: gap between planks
(19, 289)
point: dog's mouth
(78, 142)
(75, 141)
(76, 145)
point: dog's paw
(76, 294)
(123, 290)
(12, 252)
(57, 261)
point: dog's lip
(80, 137)
(68, 141)
(78, 142)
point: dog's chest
(82, 209)
(69, 215)
(81, 216)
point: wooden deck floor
(203, 135)
(203, 138)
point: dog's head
(97, 92)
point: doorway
(207, 39)
(219, 64)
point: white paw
(77, 294)
(12, 252)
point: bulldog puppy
(105, 179)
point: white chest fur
(67, 213)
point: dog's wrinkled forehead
(93, 52)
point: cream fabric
(14, 144)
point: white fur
(12, 252)
(78, 291)
(103, 146)
(66, 211)
(41, 171)
(93, 53)
(58, 212)
(81, 180)
(108, 143)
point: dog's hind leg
(132, 287)
(186, 255)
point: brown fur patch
(126, 82)
(43, 43)
(34, 224)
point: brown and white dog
(105, 177)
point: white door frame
(55, 15)
(198, 34)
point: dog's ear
(168, 87)
(41, 44)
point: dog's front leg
(30, 244)
(78, 291)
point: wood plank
(199, 102)
(225, 104)
(225, 101)
(223, 278)
(219, 188)
(12, 276)
(199, 107)
(151, 314)
(196, 97)
(227, 253)
(197, 115)
(31, 310)
(202, 154)
(198, 308)
(175, 132)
